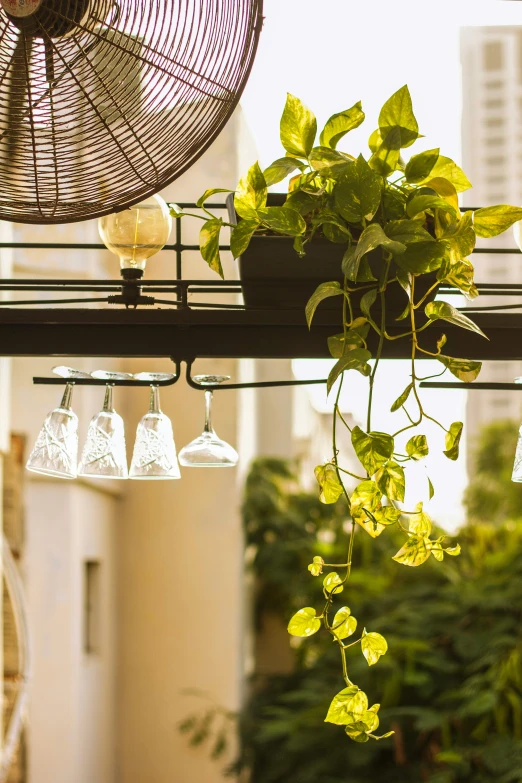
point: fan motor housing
(45, 18)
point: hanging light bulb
(136, 234)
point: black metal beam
(186, 334)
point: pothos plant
(409, 213)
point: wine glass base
(53, 473)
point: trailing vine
(402, 228)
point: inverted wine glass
(55, 452)
(208, 451)
(154, 455)
(104, 454)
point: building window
(494, 141)
(494, 122)
(493, 85)
(496, 179)
(493, 56)
(92, 606)
(500, 402)
(499, 160)
(494, 103)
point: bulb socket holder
(131, 273)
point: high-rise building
(491, 60)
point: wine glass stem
(154, 400)
(208, 411)
(107, 402)
(67, 396)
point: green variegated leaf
(354, 360)
(399, 402)
(365, 497)
(316, 566)
(446, 168)
(355, 338)
(302, 202)
(446, 190)
(330, 163)
(175, 211)
(373, 646)
(208, 193)
(323, 291)
(367, 300)
(431, 488)
(387, 515)
(397, 112)
(445, 311)
(375, 140)
(333, 583)
(492, 221)
(304, 622)
(423, 202)
(413, 553)
(420, 166)
(421, 257)
(465, 370)
(328, 480)
(339, 124)
(453, 437)
(417, 447)
(344, 624)
(241, 236)
(461, 237)
(298, 127)
(385, 160)
(251, 193)
(283, 220)
(459, 274)
(280, 169)
(373, 449)
(390, 480)
(420, 523)
(371, 238)
(209, 244)
(409, 232)
(347, 706)
(358, 194)
(454, 551)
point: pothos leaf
(420, 166)
(358, 194)
(413, 553)
(492, 221)
(397, 112)
(208, 193)
(251, 193)
(316, 566)
(367, 300)
(417, 447)
(373, 646)
(331, 488)
(241, 236)
(465, 370)
(373, 449)
(445, 167)
(304, 622)
(298, 127)
(347, 705)
(354, 360)
(445, 311)
(340, 344)
(453, 439)
(391, 481)
(283, 220)
(323, 291)
(339, 124)
(399, 402)
(333, 583)
(209, 244)
(280, 169)
(420, 523)
(431, 488)
(344, 624)
(371, 238)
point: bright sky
(332, 53)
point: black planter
(273, 275)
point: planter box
(274, 276)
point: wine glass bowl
(55, 452)
(154, 455)
(209, 450)
(104, 454)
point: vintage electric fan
(103, 102)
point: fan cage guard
(104, 103)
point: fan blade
(16, 93)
